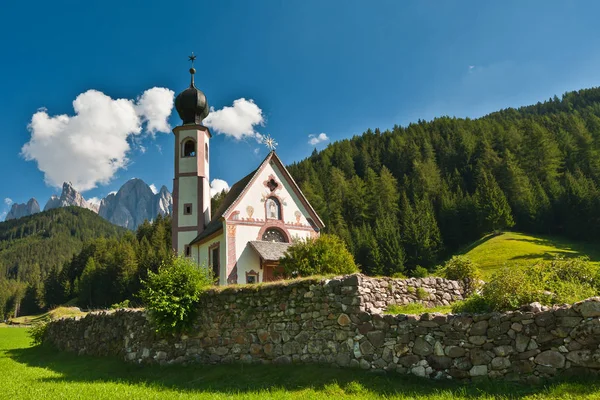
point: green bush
(123, 304)
(422, 294)
(474, 304)
(460, 268)
(420, 272)
(398, 275)
(171, 295)
(37, 333)
(322, 256)
(550, 282)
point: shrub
(420, 272)
(474, 304)
(422, 294)
(460, 268)
(550, 282)
(37, 333)
(171, 295)
(398, 275)
(123, 304)
(322, 256)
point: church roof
(270, 251)
(241, 186)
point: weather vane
(270, 142)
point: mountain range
(134, 203)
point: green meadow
(509, 249)
(42, 373)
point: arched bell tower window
(273, 208)
(274, 235)
(189, 148)
(206, 151)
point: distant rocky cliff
(69, 197)
(129, 207)
(134, 203)
(23, 210)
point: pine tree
(493, 210)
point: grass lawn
(43, 373)
(416, 308)
(56, 313)
(512, 248)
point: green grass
(51, 315)
(43, 373)
(511, 248)
(416, 308)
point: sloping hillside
(32, 246)
(511, 248)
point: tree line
(411, 196)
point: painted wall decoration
(250, 211)
(273, 208)
(298, 215)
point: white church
(243, 240)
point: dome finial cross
(192, 58)
(269, 142)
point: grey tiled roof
(270, 251)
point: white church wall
(188, 193)
(246, 257)
(248, 261)
(201, 255)
(252, 204)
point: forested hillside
(413, 195)
(31, 247)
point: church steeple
(191, 104)
(191, 188)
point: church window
(273, 208)
(215, 261)
(206, 151)
(188, 251)
(274, 235)
(189, 148)
(252, 277)
(187, 209)
(272, 185)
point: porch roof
(269, 251)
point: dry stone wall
(333, 322)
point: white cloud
(8, 201)
(3, 215)
(238, 120)
(153, 188)
(316, 139)
(154, 107)
(89, 147)
(256, 151)
(95, 201)
(217, 186)
(113, 192)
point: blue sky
(311, 67)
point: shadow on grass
(238, 378)
(477, 243)
(549, 255)
(563, 247)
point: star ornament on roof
(270, 142)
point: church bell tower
(191, 187)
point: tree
(324, 255)
(493, 209)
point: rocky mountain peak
(23, 210)
(68, 197)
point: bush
(551, 282)
(322, 256)
(474, 304)
(37, 333)
(460, 268)
(171, 295)
(123, 304)
(420, 272)
(422, 294)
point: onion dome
(191, 104)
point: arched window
(274, 235)
(273, 208)
(206, 151)
(189, 148)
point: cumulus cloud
(238, 120)
(153, 188)
(8, 201)
(89, 147)
(217, 186)
(316, 139)
(95, 201)
(3, 215)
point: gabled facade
(259, 218)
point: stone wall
(332, 322)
